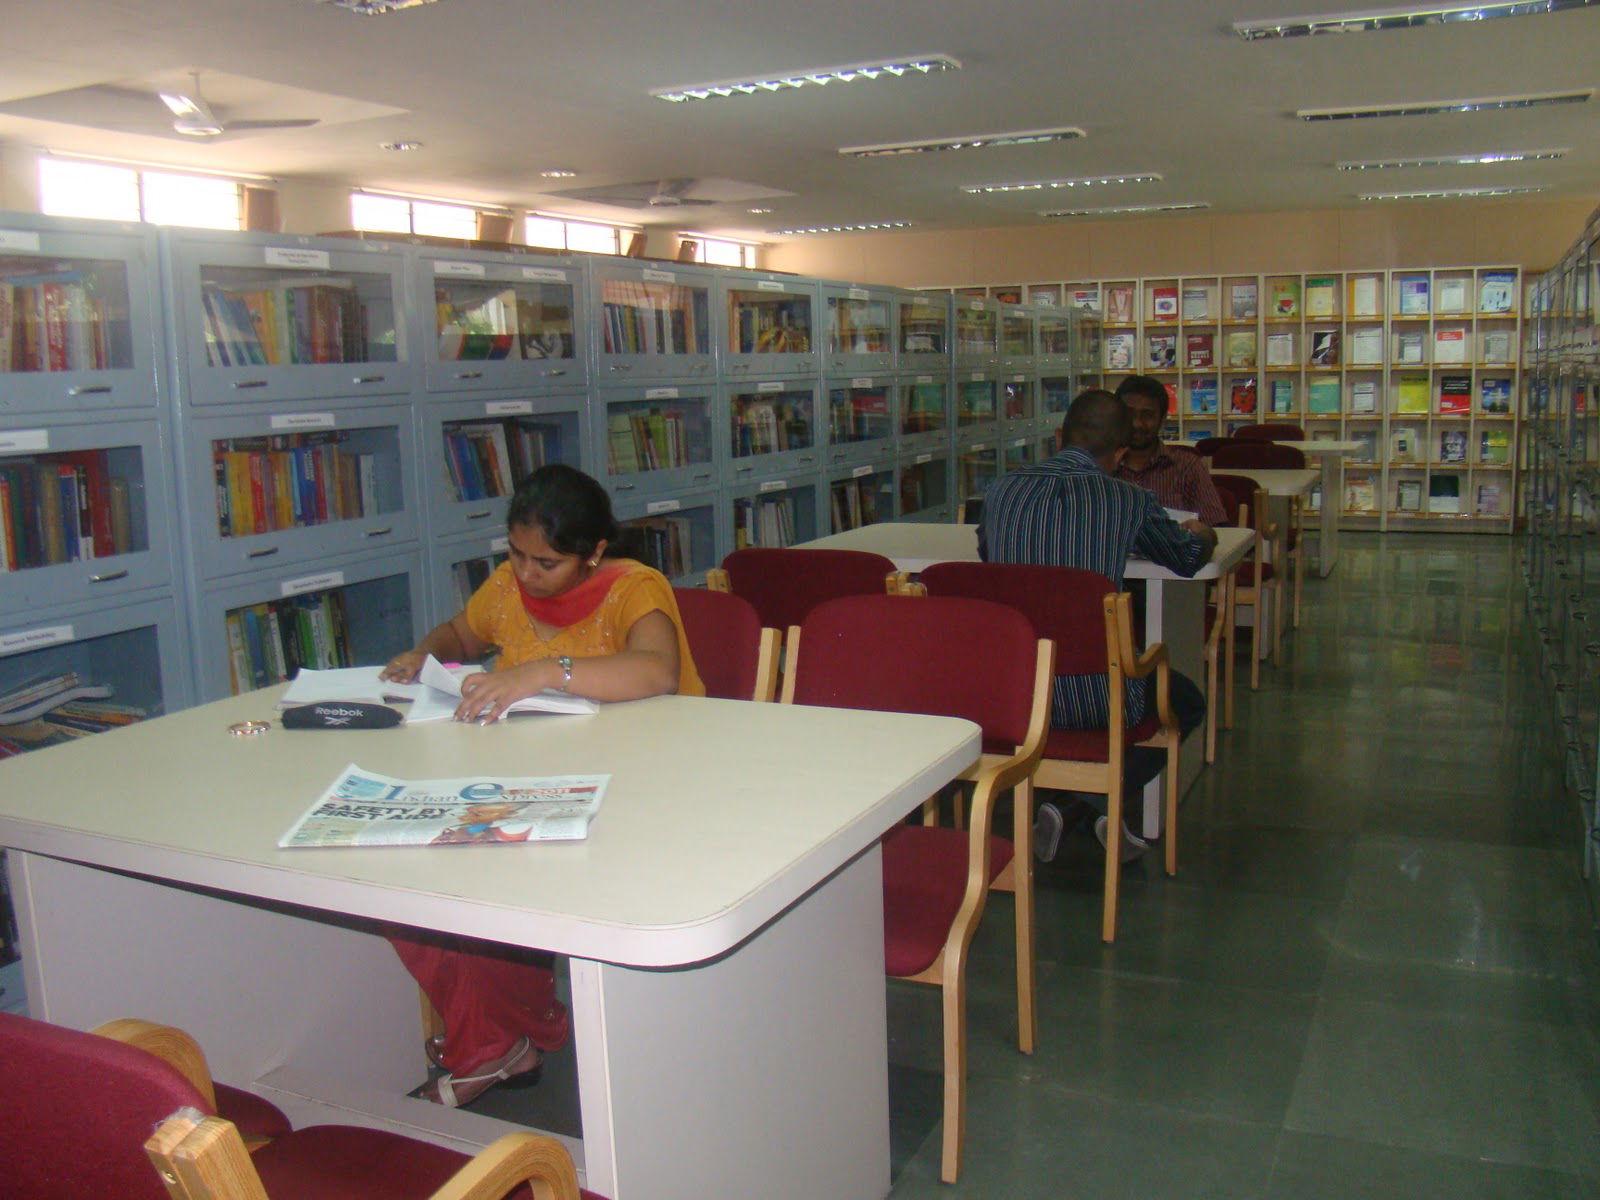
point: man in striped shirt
(1174, 473)
(1069, 511)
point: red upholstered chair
(960, 658)
(737, 658)
(1091, 625)
(1257, 585)
(80, 1106)
(784, 585)
(1269, 431)
(1258, 455)
(1207, 446)
(1268, 455)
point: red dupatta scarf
(574, 604)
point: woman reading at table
(562, 614)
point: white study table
(724, 921)
(1328, 455)
(1174, 608)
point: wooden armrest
(717, 580)
(203, 1158)
(541, 1162)
(172, 1046)
(895, 583)
(908, 588)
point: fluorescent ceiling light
(922, 64)
(375, 8)
(1428, 108)
(1450, 193)
(863, 227)
(1399, 18)
(1048, 184)
(399, 147)
(1126, 208)
(1488, 158)
(558, 173)
(978, 141)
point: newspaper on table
(363, 808)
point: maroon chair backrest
(1270, 431)
(1064, 604)
(784, 585)
(1235, 490)
(78, 1109)
(949, 657)
(1263, 456)
(725, 638)
(1207, 446)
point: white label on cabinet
(508, 408)
(658, 276)
(500, 545)
(18, 239)
(977, 377)
(860, 294)
(302, 420)
(311, 583)
(471, 270)
(924, 378)
(1019, 379)
(860, 471)
(773, 485)
(283, 256)
(1019, 443)
(550, 273)
(661, 393)
(770, 385)
(22, 441)
(32, 639)
(977, 446)
(862, 382)
(975, 305)
(661, 506)
(923, 458)
(770, 285)
(921, 302)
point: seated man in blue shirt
(1069, 511)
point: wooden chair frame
(1261, 594)
(992, 776)
(894, 583)
(203, 1158)
(1219, 657)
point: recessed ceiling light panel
(978, 141)
(1451, 193)
(892, 68)
(558, 173)
(400, 147)
(863, 227)
(1054, 184)
(1399, 18)
(1429, 108)
(1127, 209)
(375, 8)
(1487, 158)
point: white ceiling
(498, 90)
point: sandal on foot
(433, 1047)
(523, 1063)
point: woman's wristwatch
(565, 663)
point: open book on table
(434, 696)
(363, 808)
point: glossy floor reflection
(1375, 974)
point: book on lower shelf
(1282, 396)
(1242, 300)
(1119, 351)
(1366, 346)
(1360, 494)
(1367, 443)
(1162, 350)
(1494, 447)
(1240, 348)
(1444, 494)
(1408, 495)
(1199, 350)
(1497, 347)
(1452, 446)
(1455, 394)
(1203, 396)
(1322, 394)
(1412, 394)
(1242, 397)
(1449, 345)
(1408, 348)
(1490, 500)
(1363, 397)
(1403, 445)
(364, 808)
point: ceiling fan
(650, 193)
(192, 116)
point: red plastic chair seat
(1094, 745)
(924, 875)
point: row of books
(505, 324)
(853, 503)
(665, 543)
(486, 459)
(922, 334)
(285, 481)
(764, 521)
(469, 575)
(1494, 446)
(859, 414)
(54, 322)
(770, 426)
(1287, 299)
(1324, 396)
(1324, 349)
(269, 642)
(769, 325)
(323, 322)
(652, 318)
(858, 327)
(64, 722)
(976, 331)
(652, 439)
(61, 508)
(1443, 496)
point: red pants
(489, 995)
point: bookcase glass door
(1055, 337)
(771, 327)
(924, 332)
(1018, 337)
(860, 330)
(480, 450)
(77, 316)
(859, 415)
(975, 400)
(924, 402)
(775, 514)
(772, 427)
(977, 337)
(1019, 399)
(70, 674)
(677, 535)
(977, 466)
(266, 320)
(925, 487)
(467, 564)
(499, 325)
(654, 323)
(657, 439)
(864, 496)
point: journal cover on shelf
(1164, 303)
(1285, 298)
(1203, 396)
(1453, 446)
(1242, 301)
(1163, 350)
(1455, 394)
(1496, 395)
(1199, 350)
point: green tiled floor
(1376, 973)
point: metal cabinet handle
(557, 371)
(478, 516)
(262, 553)
(387, 529)
(368, 379)
(109, 576)
(90, 389)
(623, 487)
(241, 384)
(621, 367)
(469, 374)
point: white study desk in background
(724, 921)
(1328, 455)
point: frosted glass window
(444, 220)
(546, 231)
(594, 239)
(203, 201)
(70, 188)
(721, 253)
(380, 214)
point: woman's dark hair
(570, 508)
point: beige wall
(1532, 234)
